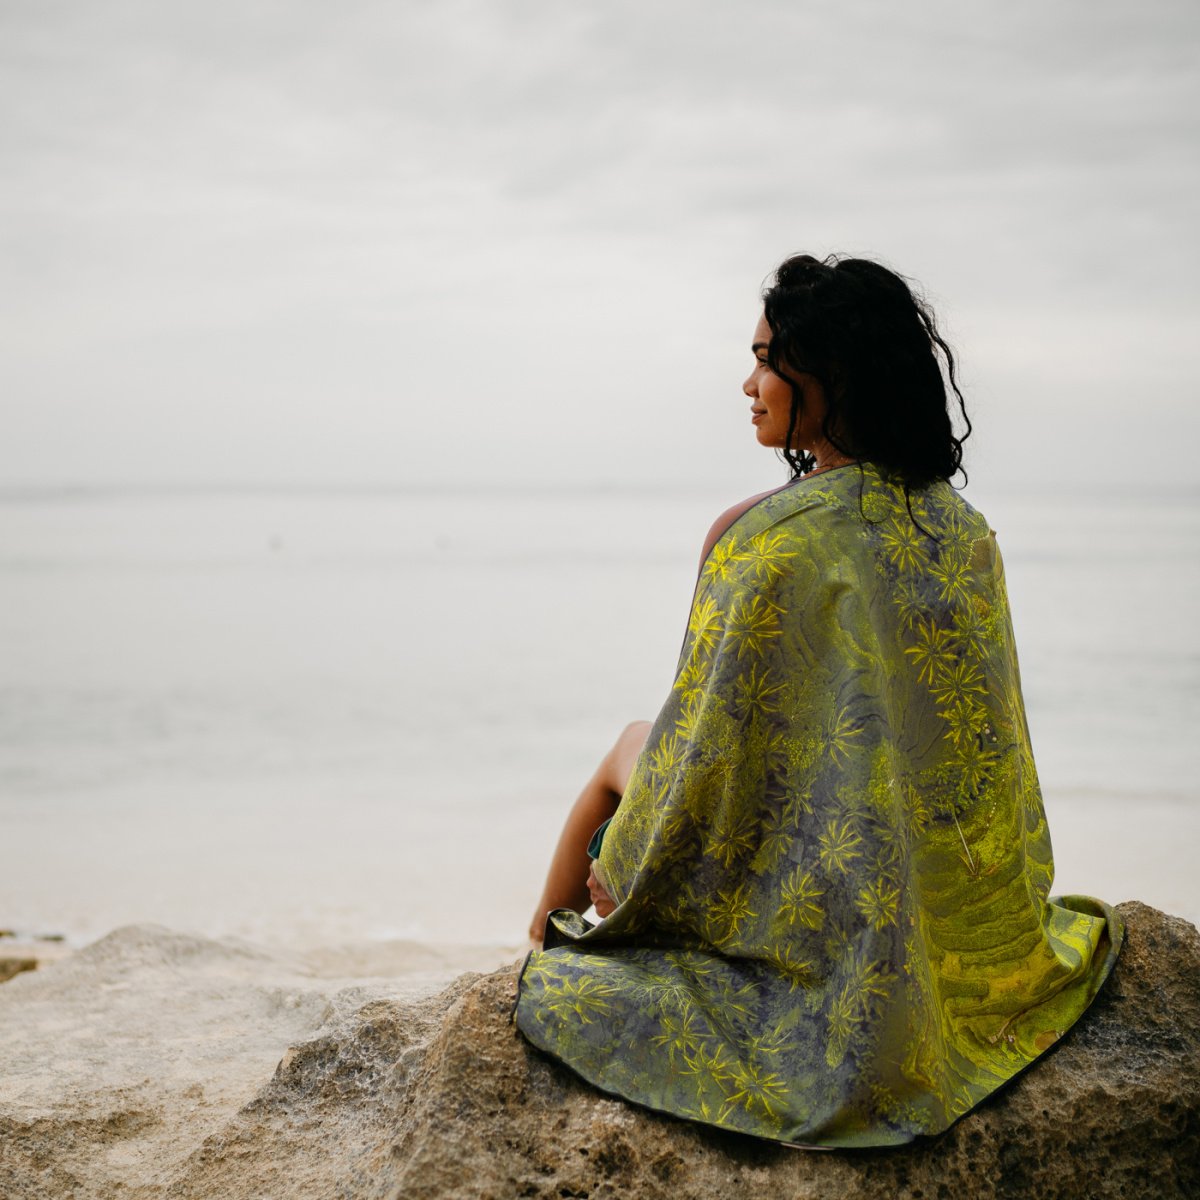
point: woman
(823, 871)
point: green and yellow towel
(831, 862)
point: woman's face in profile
(771, 399)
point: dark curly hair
(874, 346)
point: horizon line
(80, 489)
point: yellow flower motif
(676, 824)
(965, 721)
(800, 896)
(957, 538)
(755, 694)
(902, 542)
(952, 574)
(714, 1065)
(776, 752)
(799, 805)
(890, 858)
(681, 913)
(681, 1034)
(870, 980)
(584, 998)
(704, 624)
(971, 627)
(691, 680)
(935, 649)
(879, 903)
(764, 556)
(838, 734)
(775, 839)
(955, 683)
(776, 1039)
(908, 599)
(731, 838)
(839, 845)
(797, 971)
(752, 623)
(736, 998)
(753, 1087)
(841, 1020)
(688, 720)
(667, 756)
(720, 558)
(974, 764)
(727, 912)
(916, 807)
(544, 969)
(694, 964)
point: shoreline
(1108, 851)
(434, 963)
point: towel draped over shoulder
(831, 861)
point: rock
(120, 1061)
(14, 964)
(374, 1091)
(29, 953)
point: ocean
(311, 715)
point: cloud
(412, 240)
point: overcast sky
(387, 243)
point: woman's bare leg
(566, 881)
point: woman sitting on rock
(823, 871)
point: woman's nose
(748, 387)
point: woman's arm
(568, 882)
(567, 879)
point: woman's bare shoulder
(730, 515)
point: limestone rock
(14, 964)
(120, 1060)
(22, 953)
(363, 1089)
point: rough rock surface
(14, 964)
(339, 1089)
(26, 953)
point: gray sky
(425, 242)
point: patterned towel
(831, 862)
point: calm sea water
(325, 715)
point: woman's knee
(618, 763)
